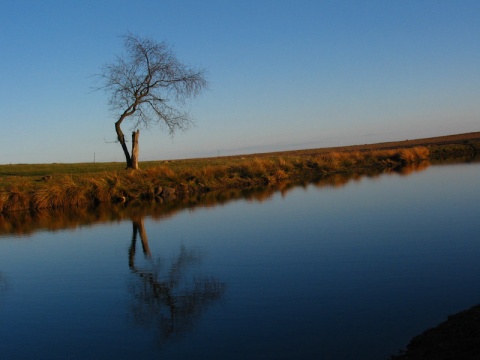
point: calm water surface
(349, 272)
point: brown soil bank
(457, 338)
(167, 181)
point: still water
(316, 272)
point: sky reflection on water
(323, 272)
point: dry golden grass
(88, 187)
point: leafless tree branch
(150, 86)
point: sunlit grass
(43, 186)
(53, 186)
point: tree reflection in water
(165, 298)
(3, 286)
(3, 283)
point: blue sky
(283, 74)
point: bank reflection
(25, 223)
(168, 295)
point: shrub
(422, 152)
(415, 154)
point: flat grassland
(40, 186)
(85, 168)
(432, 141)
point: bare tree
(149, 86)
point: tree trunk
(121, 140)
(135, 136)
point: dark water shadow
(166, 296)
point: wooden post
(135, 136)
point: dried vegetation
(162, 181)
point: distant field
(39, 170)
(441, 140)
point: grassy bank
(35, 187)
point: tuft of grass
(278, 177)
(422, 153)
(413, 155)
(16, 200)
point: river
(336, 270)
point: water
(347, 272)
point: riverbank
(53, 186)
(456, 338)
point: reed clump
(63, 192)
(15, 199)
(188, 178)
(104, 188)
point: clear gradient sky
(284, 74)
